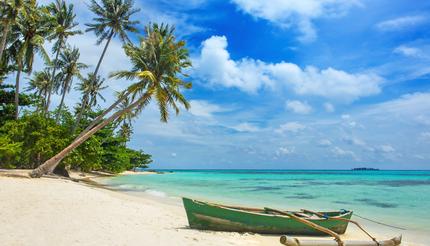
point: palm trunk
(4, 39)
(100, 117)
(18, 75)
(52, 79)
(103, 54)
(53, 162)
(60, 107)
(78, 119)
(45, 96)
(81, 112)
(96, 121)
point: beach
(52, 211)
(61, 212)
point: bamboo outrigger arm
(311, 224)
(342, 219)
(289, 241)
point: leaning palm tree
(113, 18)
(64, 26)
(29, 32)
(70, 68)
(158, 64)
(40, 84)
(9, 13)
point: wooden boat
(207, 216)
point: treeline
(34, 134)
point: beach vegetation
(85, 136)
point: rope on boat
(377, 222)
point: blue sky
(289, 84)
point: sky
(286, 84)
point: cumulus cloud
(408, 51)
(329, 83)
(246, 127)
(348, 121)
(296, 13)
(204, 109)
(290, 127)
(339, 152)
(401, 23)
(386, 148)
(298, 107)
(324, 143)
(285, 151)
(215, 66)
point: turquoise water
(400, 198)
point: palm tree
(91, 88)
(113, 18)
(9, 13)
(158, 64)
(29, 34)
(63, 26)
(126, 120)
(70, 68)
(40, 83)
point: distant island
(365, 169)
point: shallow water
(399, 198)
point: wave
(155, 193)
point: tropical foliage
(86, 137)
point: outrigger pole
(311, 224)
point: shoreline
(113, 217)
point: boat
(208, 216)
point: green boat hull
(206, 216)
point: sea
(392, 197)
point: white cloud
(296, 13)
(205, 109)
(339, 152)
(285, 151)
(290, 127)
(412, 108)
(345, 117)
(173, 154)
(329, 83)
(401, 23)
(329, 107)
(407, 51)
(298, 107)
(246, 127)
(324, 143)
(215, 66)
(386, 148)
(348, 121)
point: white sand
(61, 212)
